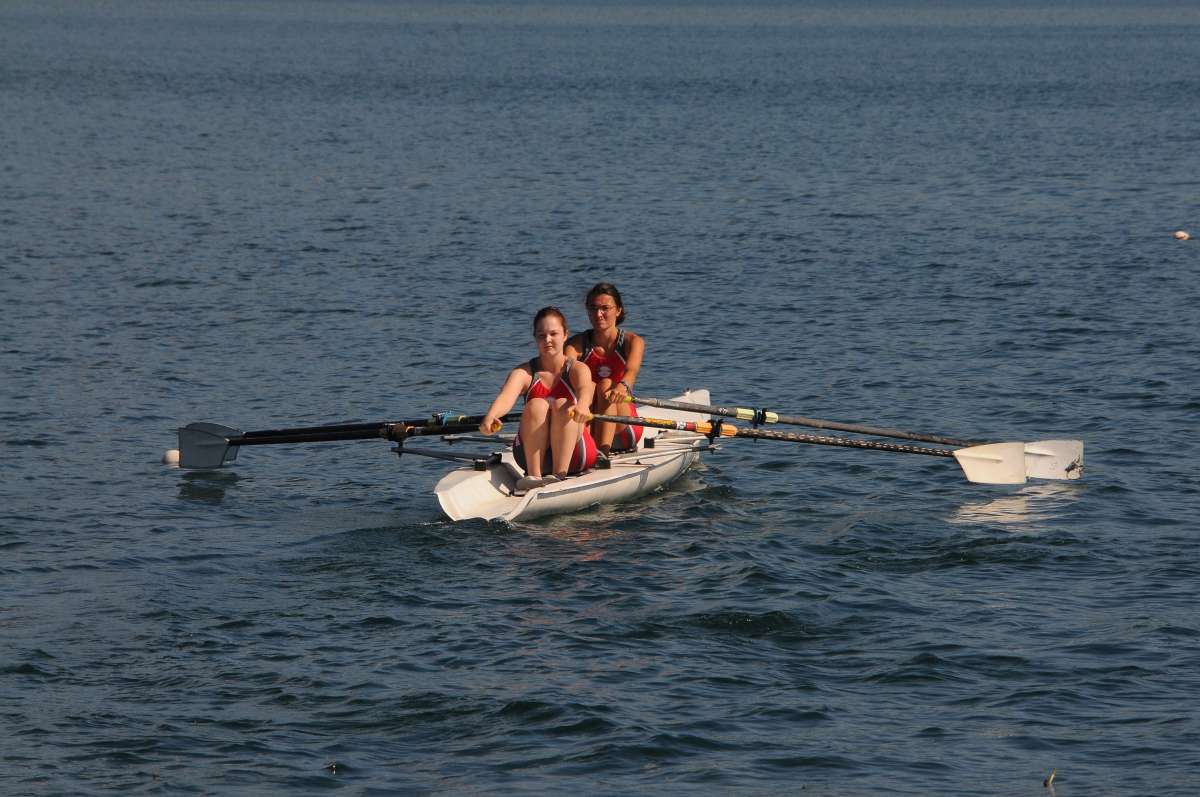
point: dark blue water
(953, 220)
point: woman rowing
(614, 357)
(550, 444)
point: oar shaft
(369, 430)
(766, 416)
(821, 440)
(311, 436)
(331, 428)
(728, 430)
(390, 431)
(207, 446)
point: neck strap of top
(589, 344)
(535, 365)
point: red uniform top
(607, 366)
(560, 389)
(612, 366)
(584, 455)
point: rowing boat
(661, 457)
(486, 488)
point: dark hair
(606, 289)
(548, 311)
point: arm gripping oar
(1044, 459)
(990, 463)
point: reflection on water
(206, 486)
(583, 533)
(613, 520)
(1033, 503)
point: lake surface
(950, 220)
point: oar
(990, 463)
(437, 419)
(1044, 459)
(205, 446)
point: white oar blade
(994, 463)
(205, 446)
(1054, 459)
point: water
(953, 220)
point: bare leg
(535, 435)
(564, 433)
(603, 431)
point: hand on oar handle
(583, 416)
(620, 392)
(490, 425)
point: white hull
(489, 494)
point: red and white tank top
(560, 389)
(610, 365)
